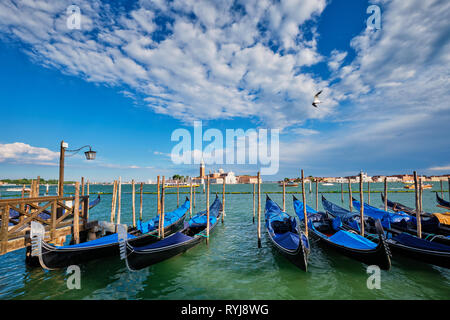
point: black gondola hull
(437, 258)
(298, 257)
(139, 259)
(55, 258)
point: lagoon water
(231, 267)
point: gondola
(426, 249)
(285, 235)
(431, 222)
(54, 257)
(331, 234)
(397, 222)
(194, 232)
(442, 202)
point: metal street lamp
(90, 155)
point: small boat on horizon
(425, 186)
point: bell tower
(202, 169)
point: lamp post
(90, 155)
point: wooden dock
(61, 212)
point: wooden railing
(29, 209)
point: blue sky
(138, 70)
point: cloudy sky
(136, 71)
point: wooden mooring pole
(76, 214)
(223, 199)
(442, 189)
(178, 193)
(119, 202)
(419, 224)
(385, 193)
(190, 202)
(361, 200)
(133, 205)
(254, 186)
(158, 200)
(284, 196)
(350, 201)
(163, 194)
(449, 188)
(140, 201)
(259, 209)
(317, 194)
(193, 203)
(113, 202)
(207, 211)
(305, 215)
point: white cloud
(442, 168)
(214, 67)
(24, 153)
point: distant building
(248, 179)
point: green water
(231, 267)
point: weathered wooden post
(419, 223)
(385, 193)
(207, 211)
(368, 192)
(305, 215)
(158, 200)
(259, 209)
(113, 202)
(317, 194)
(361, 200)
(163, 194)
(61, 169)
(133, 196)
(342, 192)
(190, 202)
(76, 214)
(4, 230)
(254, 206)
(119, 202)
(82, 194)
(420, 195)
(193, 203)
(140, 201)
(86, 209)
(284, 196)
(350, 200)
(223, 200)
(442, 189)
(178, 192)
(449, 188)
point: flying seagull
(316, 99)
